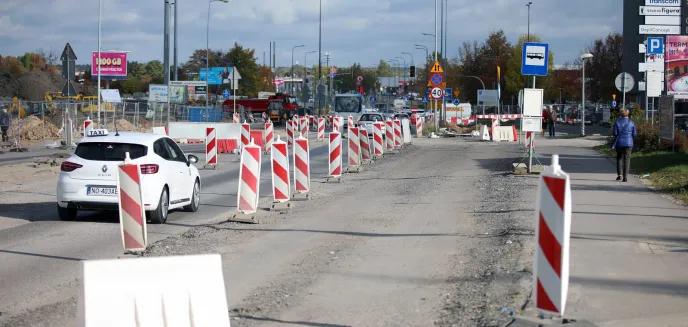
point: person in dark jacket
(4, 124)
(624, 132)
(552, 121)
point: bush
(647, 138)
(681, 141)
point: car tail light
(69, 166)
(149, 169)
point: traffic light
(412, 71)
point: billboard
(113, 65)
(219, 75)
(193, 88)
(488, 98)
(157, 93)
(676, 58)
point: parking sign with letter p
(655, 45)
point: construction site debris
(33, 128)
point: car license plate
(101, 191)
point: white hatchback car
(88, 179)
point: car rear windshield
(103, 151)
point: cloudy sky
(362, 31)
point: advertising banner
(488, 98)
(113, 65)
(219, 75)
(157, 93)
(676, 58)
(193, 88)
(178, 94)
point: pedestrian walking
(624, 133)
(4, 124)
(551, 122)
(545, 115)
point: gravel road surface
(434, 235)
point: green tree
(132, 85)
(515, 81)
(384, 69)
(155, 70)
(601, 70)
(136, 69)
(245, 62)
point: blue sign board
(655, 45)
(218, 75)
(425, 99)
(448, 93)
(614, 103)
(427, 92)
(437, 79)
(456, 102)
(534, 59)
(372, 99)
(225, 94)
(406, 99)
(332, 74)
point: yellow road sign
(437, 68)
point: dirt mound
(32, 129)
(9, 85)
(34, 84)
(124, 125)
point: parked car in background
(367, 120)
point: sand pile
(33, 128)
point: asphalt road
(419, 238)
(40, 253)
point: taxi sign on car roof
(97, 132)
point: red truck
(279, 107)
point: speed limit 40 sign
(436, 93)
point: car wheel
(195, 198)
(159, 216)
(66, 214)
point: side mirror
(193, 159)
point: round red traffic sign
(436, 93)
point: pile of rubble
(33, 128)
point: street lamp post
(207, 55)
(584, 57)
(403, 72)
(292, 61)
(435, 36)
(100, 12)
(528, 35)
(305, 67)
(396, 71)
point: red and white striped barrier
(235, 118)
(378, 148)
(304, 126)
(88, 125)
(335, 158)
(510, 116)
(389, 135)
(365, 146)
(321, 129)
(350, 121)
(337, 124)
(553, 232)
(397, 133)
(296, 129)
(269, 136)
(354, 148)
(419, 126)
(132, 219)
(290, 133)
(328, 120)
(245, 134)
(210, 146)
(249, 179)
(281, 186)
(302, 170)
(530, 140)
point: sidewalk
(629, 245)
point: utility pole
(166, 43)
(176, 68)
